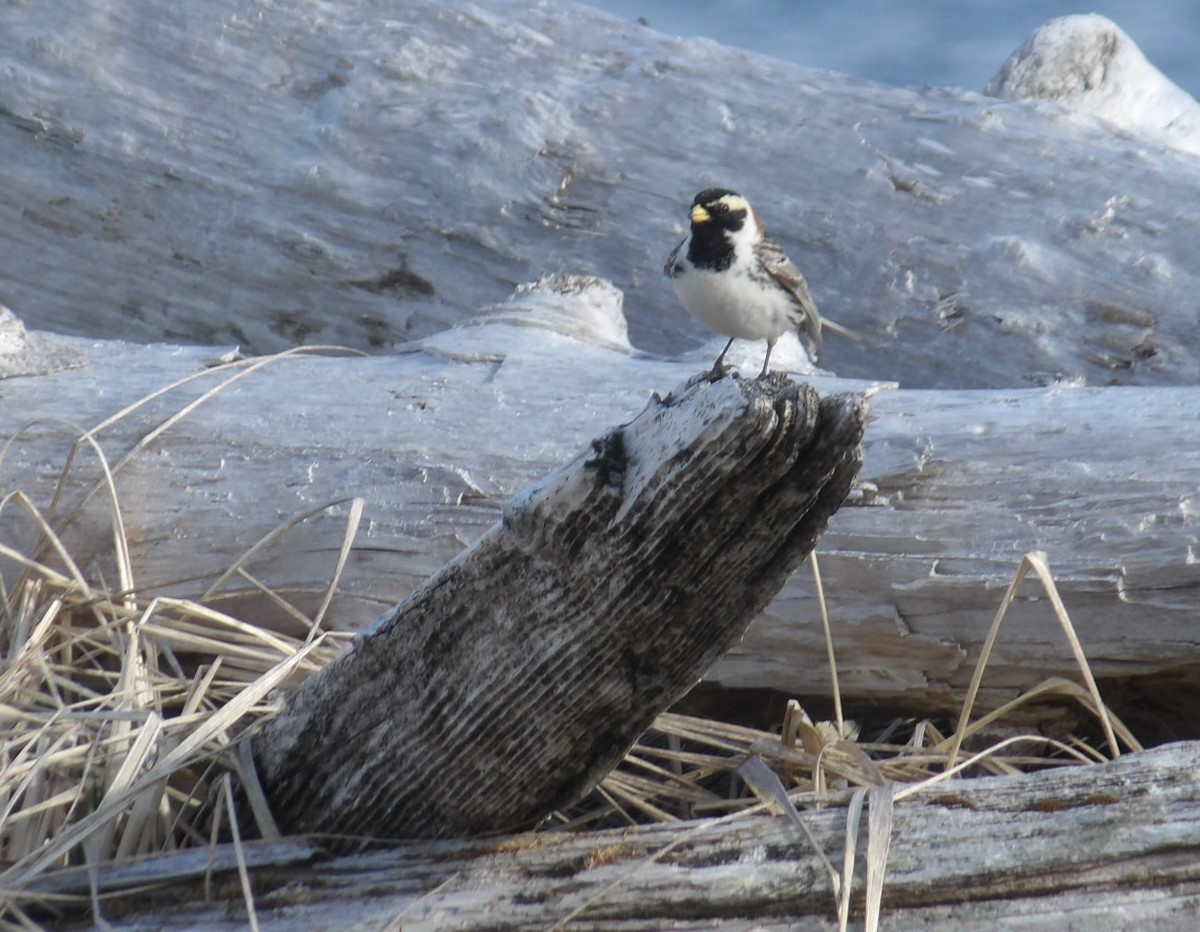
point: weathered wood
(25, 354)
(956, 487)
(1088, 63)
(364, 173)
(1106, 847)
(510, 683)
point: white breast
(734, 304)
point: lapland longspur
(735, 279)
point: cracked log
(519, 674)
(1107, 847)
(362, 174)
(955, 487)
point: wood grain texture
(1106, 847)
(519, 674)
(956, 486)
(365, 173)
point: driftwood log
(137, 208)
(362, 174)
(956, 486)
(1107, 847)
(512, 681)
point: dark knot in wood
(610, 459)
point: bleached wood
(1089, 63)
(509, 684)
(956, 487)
(1106, 847)
(361, 173)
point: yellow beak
(699, 215)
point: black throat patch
(710, 248)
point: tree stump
(518, 676)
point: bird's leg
(718, 369)
(767, 358)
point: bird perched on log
(734, 278)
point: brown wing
(784, 271)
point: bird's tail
(832, 326)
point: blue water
(939, 42)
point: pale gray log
(363, 173)
(510, 683)
(1107, 847)
(956, 487)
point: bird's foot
(711, 375)
(717, 372)
(778, 376)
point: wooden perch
(1105, 847)
(516, 677)
(295, 179)
(956, 486)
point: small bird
(734, 278)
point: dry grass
(685, 767)
(115, 710)
(121, 716)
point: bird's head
(719, 209)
